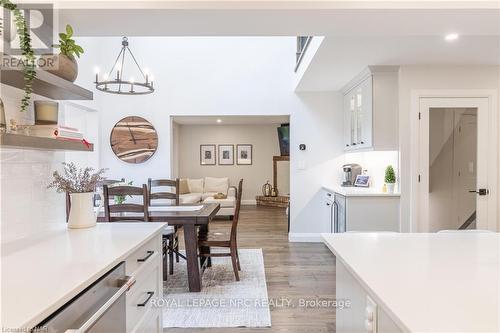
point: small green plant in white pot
(390, 179)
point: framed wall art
(226, 154)
(207, 155)
(244, 154)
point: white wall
(431, 77)
(265, 145)
(224, 76)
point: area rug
(223, 301)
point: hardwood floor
(294, 272)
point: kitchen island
(43, 272)
(447, 282)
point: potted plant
(390, 179)
(119, 199)
(28, 60)
(65, 63)
(80, 183)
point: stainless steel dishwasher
(100, 308)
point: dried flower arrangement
(76, 180)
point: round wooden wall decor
(134, 140)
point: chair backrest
(236, 216)
(99, 187)
(140, 209)
(172, 195)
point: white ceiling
(340, 58)
(145, 20)
(357, 33)
(231, 120)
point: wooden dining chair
(99, 188)
(172, 184)
(219, 241)
(169, 191)
(141, 210)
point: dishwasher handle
(335, 217)
(128, 282)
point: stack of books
(56, 132)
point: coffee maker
(351, 171)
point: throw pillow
(217, 185)
(195, 185)
(183, 186)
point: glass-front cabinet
(358, 116)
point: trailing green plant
(390, 176)
(29, 66)
(67, 45)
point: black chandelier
(120, 86)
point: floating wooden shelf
(10, 140)
(46, 84)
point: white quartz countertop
(41, 273)
(447, 282)
(359, 191)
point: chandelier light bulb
(96, 71)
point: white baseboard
(250, 202)
(303, 237)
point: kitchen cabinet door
(358, 116)
(349, 115)
(364, 113)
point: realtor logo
(39, 20)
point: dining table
(195, 220)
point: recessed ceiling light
(219, 121)
(451, 37)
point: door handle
(150, 294)
(481, 191)
(149, 254)
(126, 283)
(335, 217)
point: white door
(477, 169)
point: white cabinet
(361, 213)
(363, 314)
(145, 266)
(372, 213)
(371, 110)
(358, 115)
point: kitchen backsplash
(375, 163)
(26, 204)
